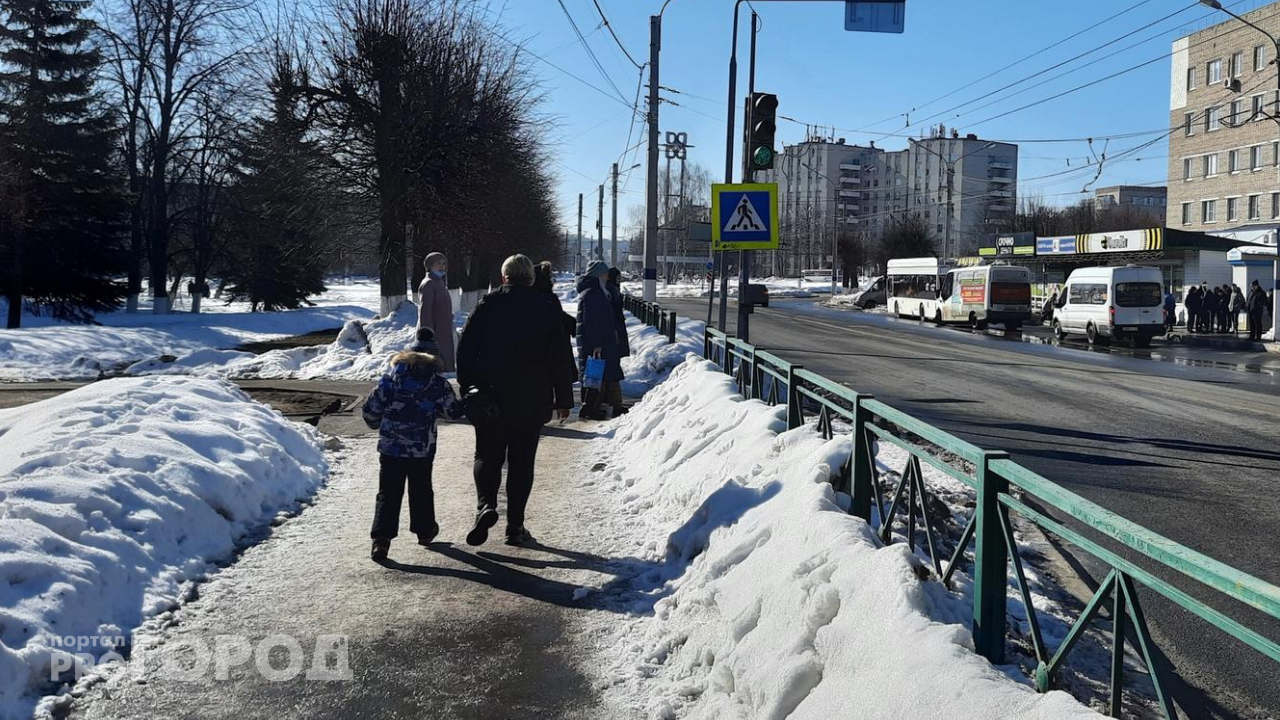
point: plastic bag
(593, 377)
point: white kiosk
(1261, 263)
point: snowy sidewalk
(443, 632)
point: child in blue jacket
(403, 408)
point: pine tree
(61, 234)
(281, 207)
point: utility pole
(577, 245)
(613, 242)
(651, 189)
(566, 248)
(748, 175)
(600, 226)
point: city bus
(913, 287)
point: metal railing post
(706, 343)
(794, 398)
(861, 463)
(990, 562)
(671, 327)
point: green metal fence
(1002, 488)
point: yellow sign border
(717, 244)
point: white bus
(986, 294)
(913, 287)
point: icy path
(443, 632)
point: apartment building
(828, 189)
(1152, 200)
(1224, 150)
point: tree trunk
(392, 246)
(158, 230)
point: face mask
(439, 273)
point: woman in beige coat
(435, 310)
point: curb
(1220, 343)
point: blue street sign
(711, 266)
(882, 16)
(744, 216)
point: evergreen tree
(281, 207)
(61, 233)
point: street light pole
(613, 234)
(651, 185)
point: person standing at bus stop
(1257, 308)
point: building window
(1255, 209)
(1259, 57)
(1208, 210)
(1237, 109)
(1255, 157)
(1210, 165)
(1233, 210)
(1186, 213)
(1258, 107)
(1213, 72)
(1189, 124)
(1275, 205)
(1188, 165)
(1237, 64)
(1233, 161)
(1213, 119)
(1191, 79)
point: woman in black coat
(597, 335)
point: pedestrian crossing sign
(744, 216)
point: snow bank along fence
(1002, 487)
(652, 314)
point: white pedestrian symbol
(744, 218)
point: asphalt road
(1187, 449)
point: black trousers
(516, 445)
(392, 475)
(1255, 326)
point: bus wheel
(1058, 331)
(937, 318)
(973, 320)
(920, 315)
(1092, 334)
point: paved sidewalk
(442, 632)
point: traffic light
(764, 114)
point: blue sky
(864, 83)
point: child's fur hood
(418, 362)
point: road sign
(883, 16)
(744, 216)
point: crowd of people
(515, 373)
(1209, 309)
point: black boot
(485, 519)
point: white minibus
(986, 294)
(913, 287)
(1102, 303)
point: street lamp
(1274, 115)
(951, 174)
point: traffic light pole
(600, 226)
(748, 175)
(613, 233)
(577, 242)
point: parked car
(871, 294)
(1103, 303)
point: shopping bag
(593, 377)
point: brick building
(1224, 151)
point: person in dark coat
(1237, 307)
(1046, 311)
(515, 354)
(1257, 307)
(1193, 302)
(1224, 308)
(545, 284)
(403, 409)
(1170, 310)
(597, 335)
(613, 391)
(1208, 308)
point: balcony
(1000, 207)
(853, 167)
(999, 165)
(1000, 179)
(849, 208)
(1001, 193)
(850, 193)
(850, 180)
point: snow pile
(652, 357)
(116, 496)
(47, 350)
(770, 601)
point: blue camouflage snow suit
(405, 405)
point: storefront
(1184, 258)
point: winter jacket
(619, 319)
(1237, 300)
(436, 312)
(514, 348)
(1209, 302)
(1170, 305)
(405, 405)
(1194, 301)
(1257, 303)
(597, 328)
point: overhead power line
(609, 27)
